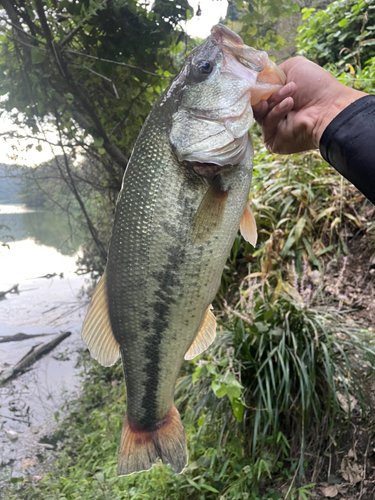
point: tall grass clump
(277, 378)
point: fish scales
(158, 280)
(184, 194)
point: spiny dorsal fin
(205, 336)
(248, 226)
(209, 214)
(97, 331)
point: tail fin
(140, 449)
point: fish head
(218, 85)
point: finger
(271, 122)
(288, 90)
(260, 110)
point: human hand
(295, 117)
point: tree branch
(70, 35)
(114, 62)
(108, 145)
(73, 188)
(43, 22)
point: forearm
(348, 144)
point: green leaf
(238, 409)
(326, 212)
(87, 28)
(100, 477)
(231, 380)
(37, 55)
(69, 97)
(201, 370)
(16, 480)
(299, 228)
(209, 488)
(233, 392)
(219, 389)
(311, 254)
(98, 142)
(289, 243)
(343, 23)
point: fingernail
(284, 104)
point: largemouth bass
(183, 198)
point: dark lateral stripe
(165, 297)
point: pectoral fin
(248, 226)
(210, 214)
(205, 336)
(97, 331)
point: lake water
(37, 244)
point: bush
(342, 39)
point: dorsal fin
(97, 331)
(205, 336)
(248, 226)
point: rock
(12, 435)
(330, 491)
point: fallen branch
(31, 357)
(22, 336)
(13, 289)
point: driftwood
(22, 336)
(32, 356)
(48, 276)
(13, 289)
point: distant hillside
(9, 184)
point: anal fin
(205, 336)
(248, 226)
(97, 331)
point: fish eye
(202, 69)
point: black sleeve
(348, 144)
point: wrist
(332, 107)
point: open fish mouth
(251, 59)
(224, 79)
(208, 170)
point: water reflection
(22, 261)
(46, 227)
(41, 243)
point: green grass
(251, 405)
